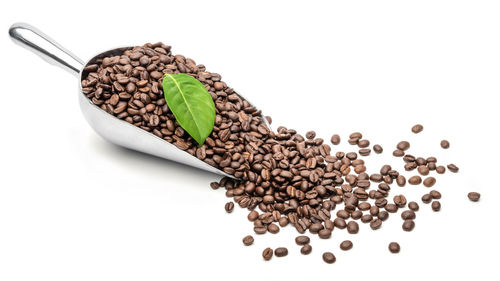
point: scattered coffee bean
(436, 206)
(415, 180)
(229, 207)
(376, 224)
(267, 254)
(426, 198)
(408, 215)
(253, 215)
(401, 180)
(248, 240)
(302, 240)
(445, 144)
(417, 128)
(398, 153)
(363, 143)
(430, 181)
(346, 245)
(394, 247)
(306, 249)
(325, 233)
(423, 170)
(383, 215)
(352, 227)
(273, 228)
(400, 200)
(474, 196)
(329, 257)
(453, 168)
(364, 151)
(281, 252)
(435, 194)
(335, 139)
(408, 225)
(311, 135)
(378, 148)
(413, 206)
(403, 145)
(440, 169)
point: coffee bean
(394, 247)
(214, 185)
(413, 206)
(325, 233)
(417, 128)
(328, 257)
(401, 180)
(253, 215)
(281, 252)
(415, 180)
(306, 249)
(340, 223)
(229, 207)
(302, 240)
(346, 245)
(355, 135)
(400, 200)
(398, 153)
(435, 194)
(248, 240)
(352, 227)
(267, 254)
(408, 215)
(403, 145)
(453, 168)
(356, 215)
(366, 218)
(260, 229)
(391, 208)
(311, 135)
(440, 169)
(378, 148)
(436, 206)
(474, 196)
(383, 215)
(364, 152)
(430, 181)
(426, 198)
(376, 224)
(335, 139)
(363, 143)
(445, 144)
(408, 225)
(273, 228)
(423, 170)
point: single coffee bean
(413, 206)
(267, 254)
(214, 185)
(408, 225)
(364, 151)
(335, 139)
(229, 207)
(356, 215)
(385, 170)
(430, 181)
(363, 143)
(329, 257)
(400, 200)
(366, 218)
(426, 198)
(415, 180)
(302, 240)
(281, 252)
(339, 223)
(311, 135)
(253, 215)
(391, 208)
(378, 148)
(436, 206)
(423, 170)
(401, 180)
(403, 145)
(260, 229)
(248, 240)
(453, 168)
(346, 245)
(440, 169)
(273, 228)
(383, 215)
(376, 224)
(352, 227)
(355, 135)
(445, 144)
(398, 153)
(408, 215)
(306, 249)
(325, 233)
(474, 196)
(435, 194)
(394, 247)
(417, 128)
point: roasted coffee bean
(391, 208)
(394, 247)
(430, 181)
(398, 153)
(366, 218)
(214, 185)
(376, 224)
(383, 215)
(453, 168)
(403, 145)
(302, 240)
(352, 227)
(325, 233)
(253, 215)
(426, 198)
(281, 252)
(311, 135)
(400, 200)
(408, 215)
(346, 245)
(364, 151)
(328, 257)
(474, 196)
(436, 206)
(415, 180)
(440, 169)
(423, 170)
(335, 139)
(267, 254)
(413, 206)
(417, 128)
(260, 229)
(273, 228)
(401, 180)
(378, 148)
(306, 249)
(445, 144)
(229, 207)
(248, 240)
(316, 227)
(356, 215)
(408, 225)
(435, 194)
(363, 143)
(339, 223)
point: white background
(73, 207)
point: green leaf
(191, 105)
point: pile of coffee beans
(281, 177)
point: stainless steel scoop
(106, 125)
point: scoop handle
(36, 41)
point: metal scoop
(106, 125)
